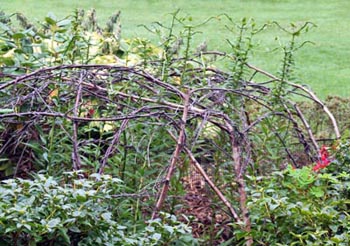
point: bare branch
(312, 95)
(175, 158)
(115, 141)
(75, 154)
(212, 185)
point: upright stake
(239, 178)
(75, 154)
(179, 146)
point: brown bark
(174, 159)
(239, 178)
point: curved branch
(312, 95)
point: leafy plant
(72, 210)
(300, 207)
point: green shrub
(79, 211)
(301, 207)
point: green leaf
(31, 200)
(170, 229)
(45, 156)
(5, 27)
(10, 229)
(53, 222)
(273, 206)
(63, 233)
(156, 236)
(64, 22)
(28, 227)
(74, 229)
(81, 195)
(6, 110)
(77, 213)
(51, 19)
(5, 166)
(317, 191)
(18, 35)
(107, 216)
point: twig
(115, 141)
(312, 95)
(261, 118)
(75, 154)
(306, 125)
(209, 182)
(175, 158)
(239, 178)
(299, 133)
(212, 185)
(35, 114)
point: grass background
(324, 66)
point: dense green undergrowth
(73, 211)
(110, 141)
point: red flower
(90, 113)
(324, 161)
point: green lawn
(324, 66)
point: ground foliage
(79, 212)
(181, 135)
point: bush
(301, 207)
(51, 211)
